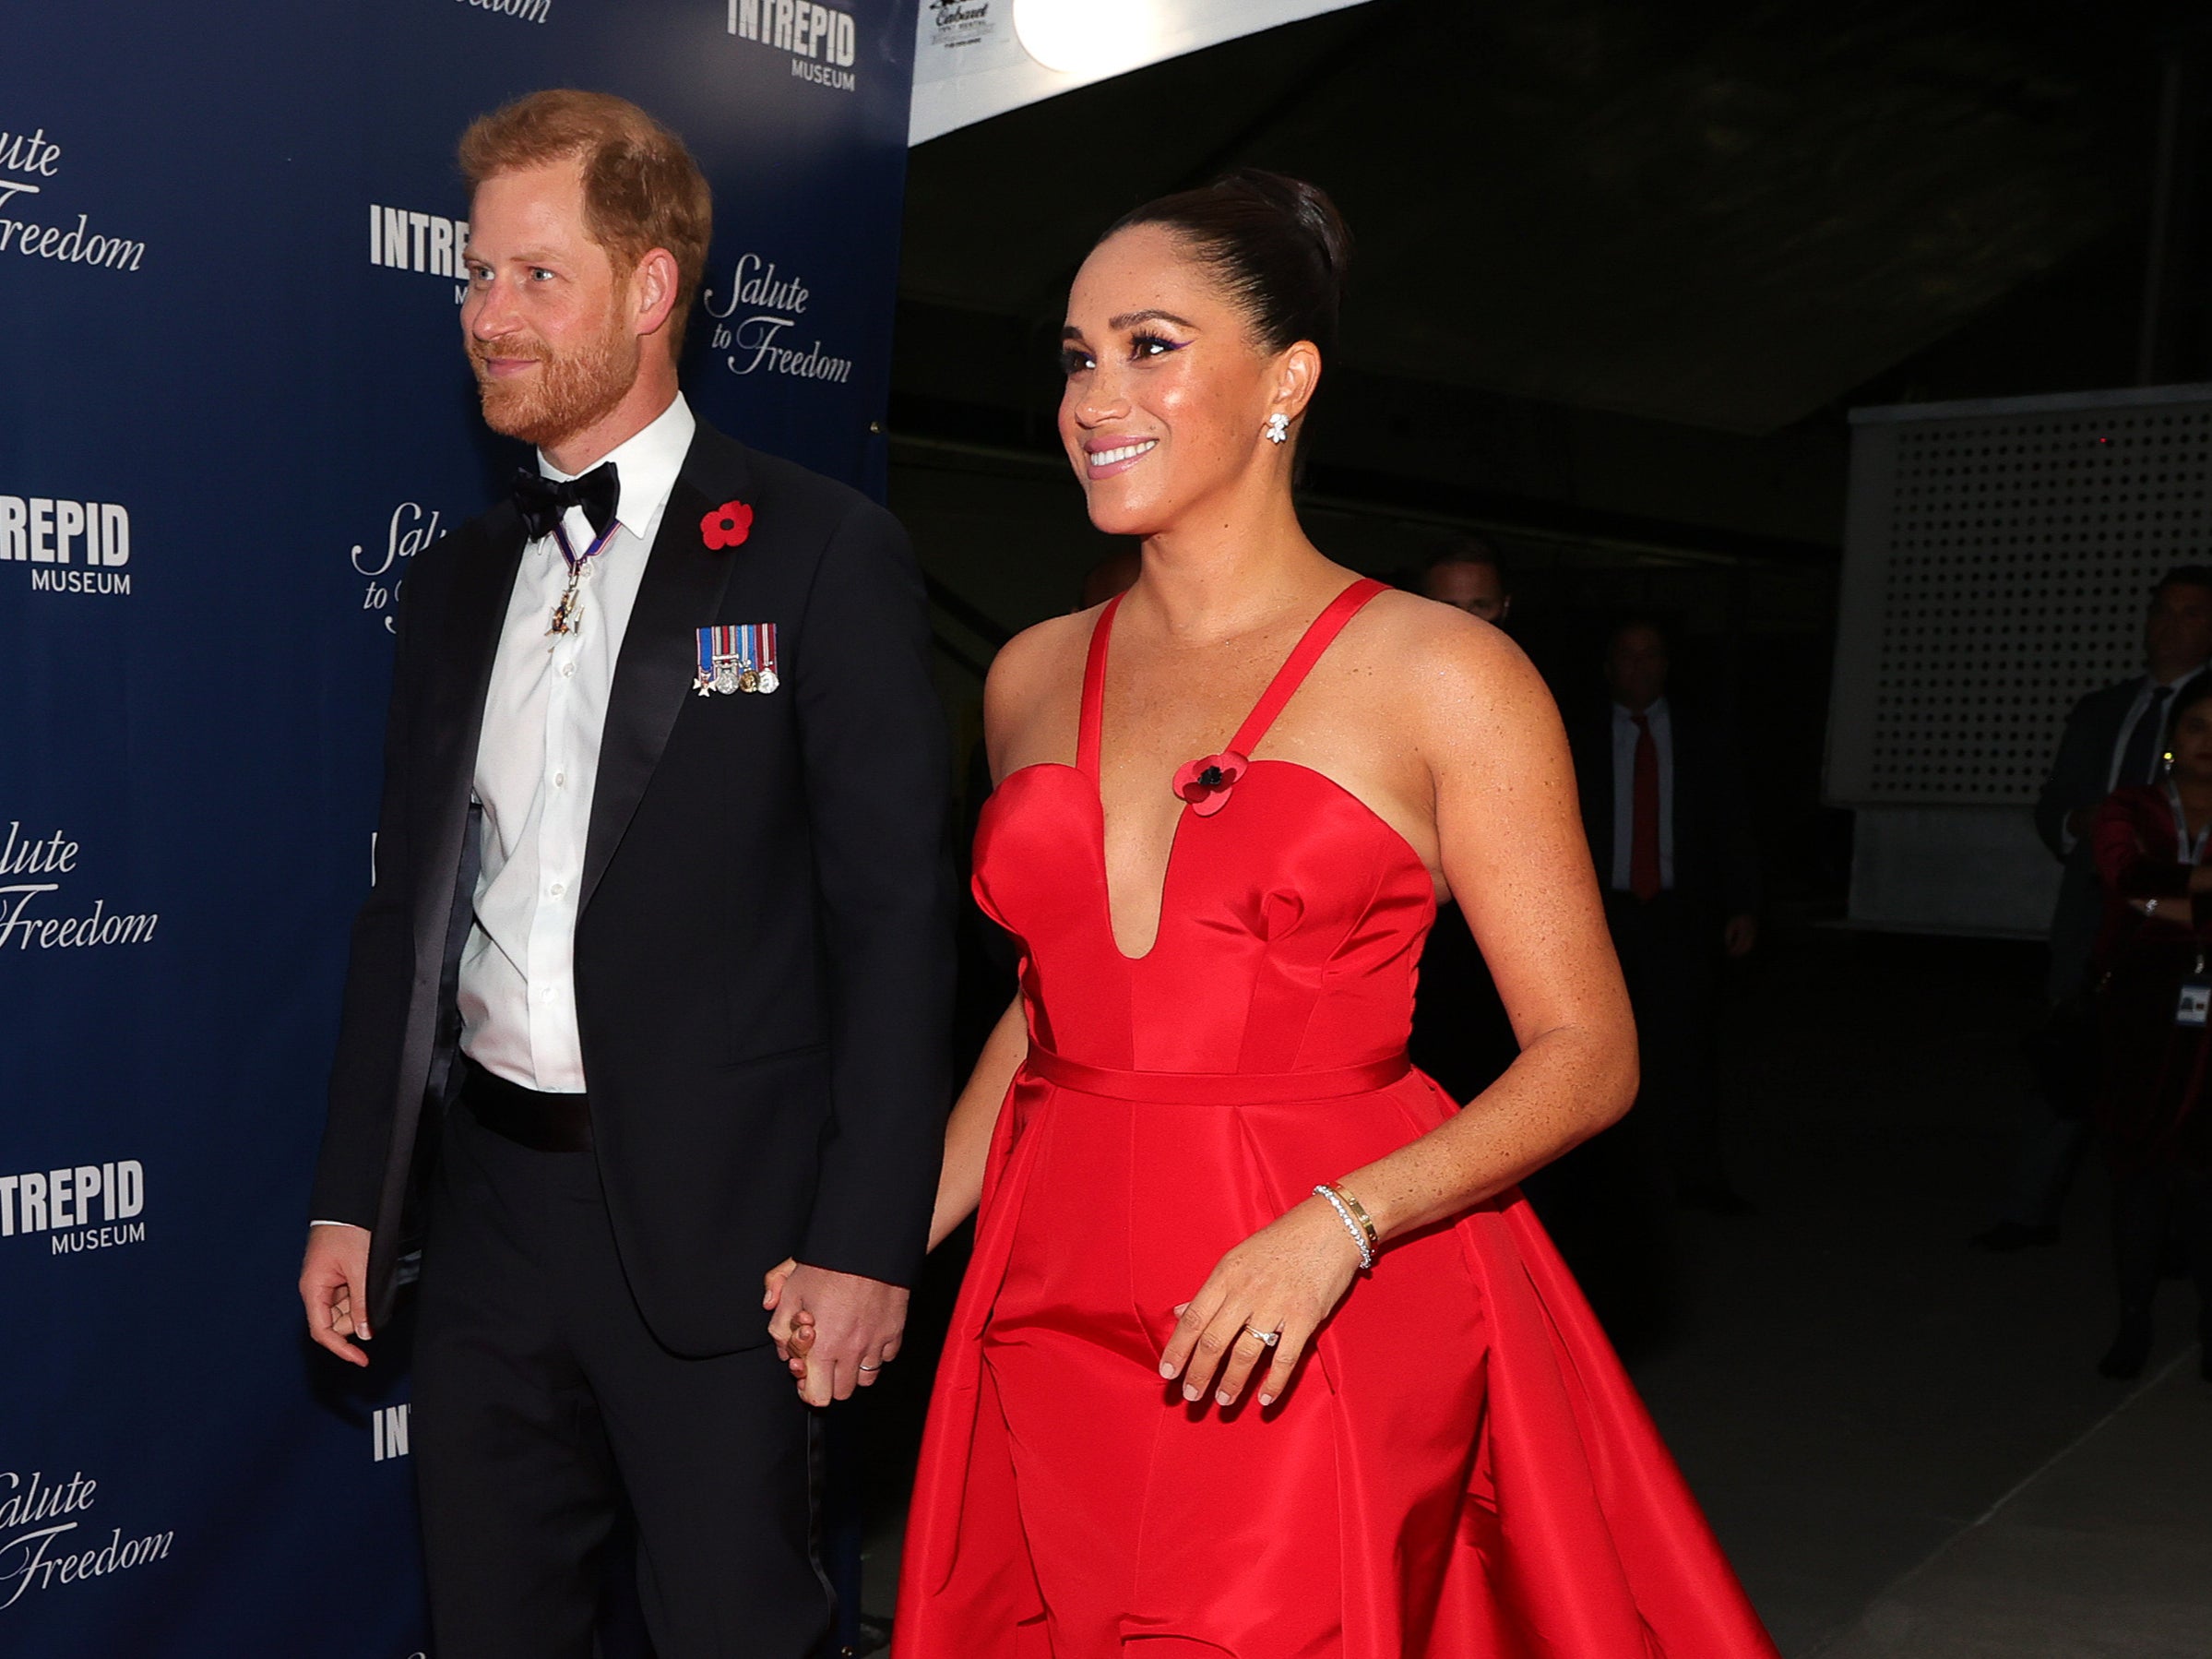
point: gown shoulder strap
(1319, 635)
(1093, 721)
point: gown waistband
(1217, 1088)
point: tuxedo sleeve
(874, 757)
(2077, 777)
(379, 969)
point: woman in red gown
(1261, 1355)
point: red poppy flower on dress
(727, 526)
(1206, 783)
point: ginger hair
(642, 190)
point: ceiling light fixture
(1090, 38)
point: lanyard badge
(2195, 1001)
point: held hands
(334, 1288)
(836, 1331)
(1288, 1277)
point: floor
(1865, 1404)
(2102, 1553)
(1901, 1441)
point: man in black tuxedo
(1664, 806)
(659, 954)
(2112, 737)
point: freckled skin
(1432, 719)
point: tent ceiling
(1726, 214)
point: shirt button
(560, 779)
(558, 888)
(567, 671)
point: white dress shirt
(1624, 791)
(537, 763)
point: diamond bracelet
(1359, 1235)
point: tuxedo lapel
(681, 592)
(466, 642)
(483, 580)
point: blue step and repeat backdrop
(232, 407)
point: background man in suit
(2112, 737)
(1663, 803)
(1470, 576)
(687, 883)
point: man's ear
(653, 288)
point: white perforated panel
(1998, 560)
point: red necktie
(1643, 834)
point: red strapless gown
(1461, 1467)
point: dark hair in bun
(1276, 244)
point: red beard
(567, 395)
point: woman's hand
(1288, 1277)
(793, 1347)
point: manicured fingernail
(1190, 1392)
(1225, 1398)
(1166, 1370)
(1181, 1310)
(1267, 1398)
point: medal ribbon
(747, 647)
(567, 612)
(576, 562)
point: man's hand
(334, 1287)
(855, 1328)
(1740, 936)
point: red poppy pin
(1206, 783)
(727, 526)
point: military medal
(569, 613)
(736, 657)
(766, 678)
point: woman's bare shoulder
(1030, 664)
(1037, 677)
(1453, 665)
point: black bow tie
(541, 500)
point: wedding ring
(1266, 1339)
(867, 1367)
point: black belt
(544, 1123)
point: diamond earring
(1279, 429)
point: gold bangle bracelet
(1359, 1213)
